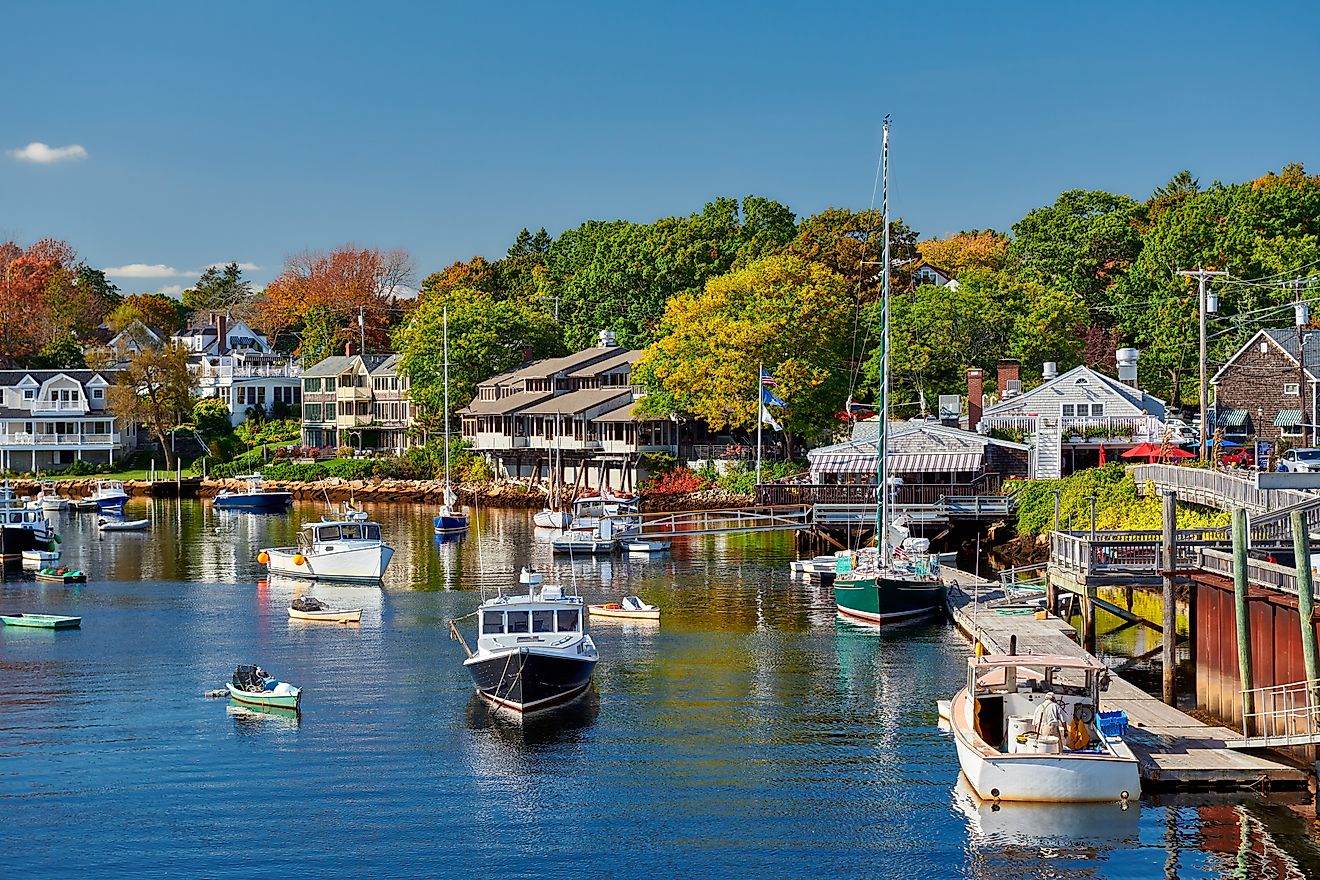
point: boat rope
(516, 679)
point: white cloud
(172, 290)
(144, 270)
(44, 154)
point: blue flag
(769, 398)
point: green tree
(218, 289)
(211, 417)
(486, 336)
(155, 310)
(64, 353)
(782, 312)
(154, 390)
(323, 335)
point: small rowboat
(639, 546)
(131, 525)
(42, 621)
(41, 557)
(61, 576)
(251, 686)
(631, 608)
(309, 608)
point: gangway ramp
(724, 521)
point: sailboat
(900, 580)
(448, 520)
(554, 516)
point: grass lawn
(161, 474)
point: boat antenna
(882, 445)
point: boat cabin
(548, 618)
(322, 533)
(1008, 691)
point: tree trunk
(164, 439)
(1175, 391)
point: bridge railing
(1216, 488)
(860, 493)
(1112, 552)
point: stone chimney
(1008, 377)
(221, 323)
(975, 399)
(1126, 358)
(349, 349)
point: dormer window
(29, 394)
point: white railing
(1141, 429)
(29, 439)
(47, 405)
(1012, 423)
(1284, 714)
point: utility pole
(362, 330)
(1302, 319)
(1201, 275)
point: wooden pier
(1173, 749)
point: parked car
(1300, 461)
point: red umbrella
(1175, 452)
(1102, 455)
(1143, 450)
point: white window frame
(1292, 389)
(1069, 410)
(1291, 430)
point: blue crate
(1113, 723)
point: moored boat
(108, 494)
(552, 519)
(533, 651)
(333, 550)
(637, 545)
(1026, 729)
(41, 621)
(447, 520)
(311, 608)
(122, 525)
(40, 558)
(25, 528)
(61, 576)
(49, 498)
(252, 686)
(630, 608)
(254, 496)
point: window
(1292, 388)
(98, 394)
(330, 383)
(1291, 431)
(543, 621)
(492, 623)
(312, 412)
(568, 620)
(331, 412)
(261, 394)
(311, 384)
(1068, 410)
(328, 533)
(1097, 409)
(517, 621)
(351, 533)
(371, 531)
(28, 393)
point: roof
(1139, 399)
(568, 363)
(625, 358)
(920, 437)
(389, 365)
(576, 401)
(628, 413)
(1062, 660)
(1285, 339)
(505, 405)
(336, 364)
(13, 377)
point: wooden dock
(1173, 749)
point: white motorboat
(39, 558)
(448, 520)
(630, 608)
(1045, 824)
(1026, 730)
(332, 550)
(49, 497)
(552, 519)
(533, 651)
(24, 528)
(108, 494)
(122, 525)
(636, 545)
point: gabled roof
(625, 358)
(336, 364)
(14, 378)
(1285, 340)
(553, 366)
(575, 402)
(1139, 399)
(929, 437)
(505, 406)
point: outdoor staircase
(1049, 449)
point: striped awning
(1288, 418)
(1232, 418)
(899, 463)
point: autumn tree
(345, 282)
(966, 251)
(792, 316)
(154, 390)
(486, 336)
(46, 294)
(162, 314)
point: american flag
(767, 380)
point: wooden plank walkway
(1173, 749)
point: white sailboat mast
(883, 446)
(445, 343)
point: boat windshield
(543, 620)
(351, 532)
(492, 623)
(569, 620)
(327, 533)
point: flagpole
(760, 369)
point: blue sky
(249, 131)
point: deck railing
(1217, 488)
(1282, 714)
(859, 493)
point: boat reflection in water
(551, 727)
(1043, 840)
(256, 719)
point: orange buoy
(263, 557)
(299, 559)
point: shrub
(85, 469)
(679, 480)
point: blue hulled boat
(253, 497)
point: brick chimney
(975, 398)
(1009, 379)
(349, 349)
(221, 332)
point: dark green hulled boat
(899, 581)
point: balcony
(352, 393)
(25, 440)
(354, 421)
(46, 405)
(1083, 429)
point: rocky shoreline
(500, 493)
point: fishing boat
(254, 496)
(533, 651)
(349, 551)
(311, 608)
(41, 621)
(448, 520)
(108, 494)
(50, 497)
(83, 504)
(61, 576)
(24, 528)
(630, 608)
(1026, 729)
(40, 557)
(598, 541)
(900, 581)
(637, 545)
(122, 525)
(252, 686)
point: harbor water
(751, 733)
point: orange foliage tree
(41, 299)
(979, 249)
(339, 282)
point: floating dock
(1173, 749)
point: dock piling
(1167, 563)
(1305, 594)
(1241, 613)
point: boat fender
(263, 557)
(299, 559)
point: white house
(219, 334)
(1079, 419)
(928, 273)
(133, 339)
(52, 418)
